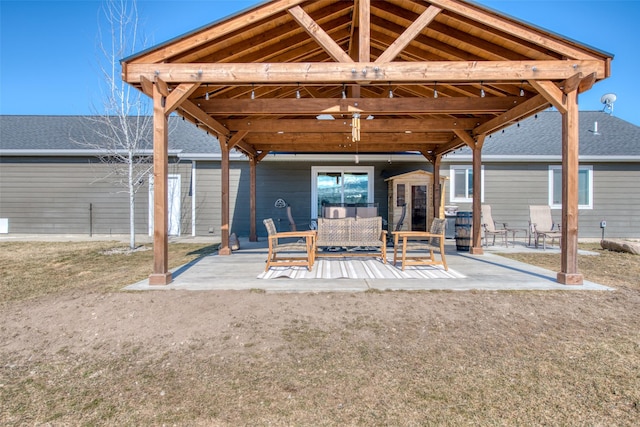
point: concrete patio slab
(488, 272)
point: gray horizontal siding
(69, 196)
(511, 188)
(290, 181)
(53, 195)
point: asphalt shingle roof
(540, 135)
(63, 133)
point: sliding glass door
(340, 185)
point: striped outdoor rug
(352, 268)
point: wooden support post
(568, 274)
(437, 190)
(224, 203)
(476, 236)
(253, 237)
(161, 274)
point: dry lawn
(75, 350)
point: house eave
(540, 159)
(74, 153)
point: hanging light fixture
(355, 133)
(206, 96)
(521, 89)
(481, 90)
(355, 127)
(298, 92)
(253, 92)
(390, 91)
(344, 91)
(435, 90)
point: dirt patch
(88, 356)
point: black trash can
(464, 220)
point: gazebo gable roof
(432, 75)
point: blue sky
(48, 49)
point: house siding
(54, 195)
(287, 180)
(69, 195)
(511, 187)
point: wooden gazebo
(436, 75)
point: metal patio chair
(542, 226)
(490, 229)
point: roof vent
(595, 129)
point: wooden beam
(571, 84)
(393, 106)
(161, 86)
(410, 33)
(587, 83)
(344, 125)
(525, 109)
(217, 31)
(299, 138)
(347, 72)
(195, 111)
(466, 138)
(261, 156)
(551, 93)
(364, 30)
(345, 147)
(236, 138)
(319, 35)
(179, 95)
(516, 29)
(246, 148)
(147, 86)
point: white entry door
(174, 204)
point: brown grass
(75, 351)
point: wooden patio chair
(542, 226)
(421, 245)
(489, 227)
(281, 253)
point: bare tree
(121, 131)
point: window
(340, 185)
(461, 189)
(585, 187)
